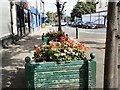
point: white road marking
(86, 31)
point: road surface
(94, 39)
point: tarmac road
(94, 39)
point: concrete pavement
(13, 58)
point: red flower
(63, 39)
(37, 49)
(56, 39)
(52, 43)
(40, 45)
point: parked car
(79, 24)
(90, 25)
(73, 24)
(63, 23)
(69, 23)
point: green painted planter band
(50, 75)
(47, 39)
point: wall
(98, 18)
(5, 20)
(37, 9)
(102, 5)
(14, 19)
(34, 13)
(41, 12)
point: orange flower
(64, 38)
(85, 49)
(54, 44)
(71, 42)
(81, 46)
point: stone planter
(65, 76)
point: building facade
(37, 10)
(18, 18)
(101, 8)
(5, 23)
(100, 17)
(101, 5)
(22, 17)
(14, 23)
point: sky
(50, 5)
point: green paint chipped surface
(77, 74)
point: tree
(111, 51)
(82, 8)
(51, 17)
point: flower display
(66, 50)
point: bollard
(66, 37)
(43, 36)
(76, 32)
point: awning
(44, 15)
(33, 10)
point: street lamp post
(59, 13)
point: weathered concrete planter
(64, 76)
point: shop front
(23, 20)
(34, 18)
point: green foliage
(51, 16)
(58, 55)
(82, 8)
(55, 34)
(66, 50)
